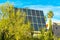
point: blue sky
(44, 5)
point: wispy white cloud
(53, 20)
(56, 20)
(46, 9)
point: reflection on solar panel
(36, 17)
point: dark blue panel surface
(34, 19)
(41, 13)
(29, 12)
(30, 18)
(35, 27)
(33, 13)
(37, 13)
(39, 19)
(43, 20)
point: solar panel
(36, 17)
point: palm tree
(50, 16)
(50, 32)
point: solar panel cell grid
(36, 18)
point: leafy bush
(11, 24)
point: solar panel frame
(36, 17)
